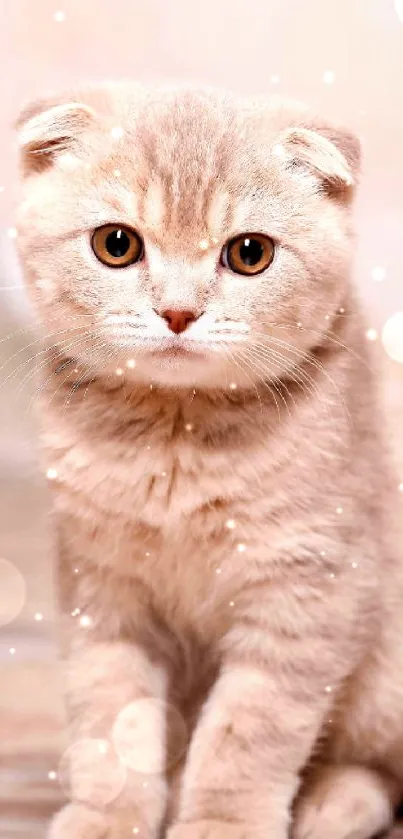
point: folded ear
(331, 154)
(45, 130)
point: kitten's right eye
(116, 245)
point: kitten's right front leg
(115, 764)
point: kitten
(230, 591)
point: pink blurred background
(344, 57)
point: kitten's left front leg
(256, 732)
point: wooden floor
(31, 707)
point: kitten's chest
(157, 469)
(157, 486)
(161, 511)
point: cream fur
(226, 520)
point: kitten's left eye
(250, 253)
(116, 245)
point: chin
(187, 371)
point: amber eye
(116, 245)
(249, 253)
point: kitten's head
(187, 238)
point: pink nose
(178, 320)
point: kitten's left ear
(46, 129)
(330, 153)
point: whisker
(232, 356)
(31, 328)
(266, 384)
(307, 358)
(274, 382)
(329, 335)
(299, 375)
(88, 337)
(259, 356)
(113, 352)
(63, 346)
(32, 358)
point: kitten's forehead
(189, 156)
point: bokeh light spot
(12, 592)
(150, 736)
(392, 337)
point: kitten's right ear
(45, 130)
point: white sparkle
(189, 426)
(299, 323)
(12, 232)
(68, 162)
(241, 548)
(339, 510)
(51, 474)
(131, 363)
(59, 17)
(163, 474)
(332, 576)
(230, 524)
(341, 310)
(327, 317)
(117, 132)
(75, 370)
(85, 620)
(151, 387)
(233, 386)
(76, 571)
(148, 448)
(38, 616)
(328, 689)
(203, 245)
(119, 371)
(12, 650)
(274, 79)
(1, 188)
(378, 273)
(328, 77)
(392, 337)
(218, 570)
(75, 612)
(117, 173)
(371, 334)
(323, 553)
(354, 564)
(279, 150)
(400, 487)
(52, 776)
(136, 830)
(147, 553)
(231, 603)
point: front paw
(77, 821)
(211, 829)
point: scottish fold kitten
(230, 590)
